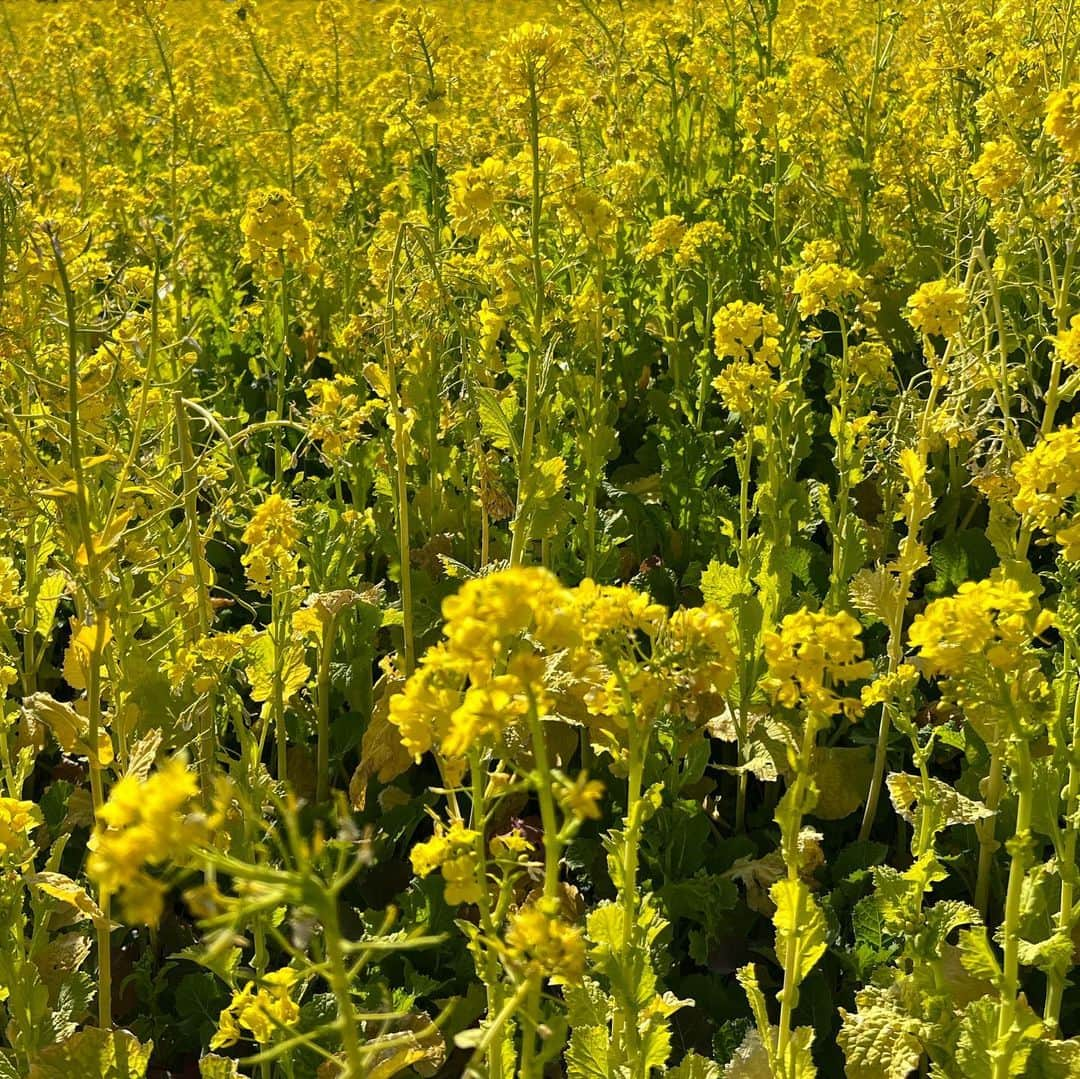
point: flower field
(539, 539)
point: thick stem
(1055, 988)
(492, 984)
(322, 752)
(1021, 857)
(987, 842)
(339, 984)
(790, 845)
(519, 528)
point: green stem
(492, 984)
(322, 764)
(1055, 988)
(1021, 857)
(790, 846)
(519, 528)
(985, 828)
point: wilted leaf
(67, 891)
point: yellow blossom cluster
(821, 283)
(743, 329)
(275, 231)
(1047, 477)
(262, 1012)
(546, 944)
(937, 307)
(991, 619)
(1063, 121)
(271, 537)
(17, 820)
(145, 823)
(453, 852)
(810, 654)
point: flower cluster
(453, 852)
(144, 823)
(17, 820)
(810, 654)
(741, 329)
(275, 231)
(821, 283)
(546, 944)
(937, 307)
(1063, 121)
(264, 1013)
(271, 537)
(1047, 477)
(992, 619)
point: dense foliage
(539, 540)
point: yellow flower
(741, 329)
(998, 169)
(9, 582)
(271, 538)
(144, 823)
(275, 232)
(262, 1011)
(1048, 475)
(812, 652)
(581, 799)
(990, 619)
(453, 851)
(17, 820)
(1067, 343)
(1063, 121)
(664, 235)
(547, 944)
(937, 308)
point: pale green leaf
(800, 925)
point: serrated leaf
(978, 957)
(878, 1040)
(947, 805)
(693, 1066)
(494, 422)
(70, 728)
(751, 1059)
(875, 595)
(215, 1067)
(260, 670)
(799, 920)
(103, 1054)
(58, 886)
(45, 604)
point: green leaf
(215, 1067)
(1052, 1059)
(103, 1054)
(751, 1059)
(52, 588)
(874, 595)
(494, 421)
(963, 556)
(944, 803)
(867, 923)
(939, 921)
(799, 1058)
(879, 1041)
(799, 921)
(978, 957)
(695, 1067)
(842, 775)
